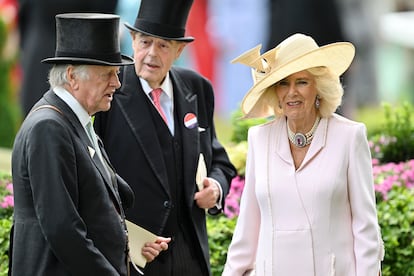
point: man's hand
(208, 196)
(152, 249)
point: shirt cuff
(219, 203)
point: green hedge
(396, 218)
(220, 230)
(6, 213)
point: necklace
(301, 140)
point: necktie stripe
(155, 96)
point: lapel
(52, 99)
(186, 104)
(283, 147)
(134, 105)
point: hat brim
(125, 60)
(182, 39)
(336, 56)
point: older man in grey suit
(69, 201)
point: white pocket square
(200, 129)
(91, 151)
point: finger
(164, 246)
(163, 239)
(148, 256)
(206, 182)
(198, 195)
(150, 252)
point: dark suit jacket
(130, 139)
(65, 215)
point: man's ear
(71, 77)
(180, 48)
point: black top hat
(88, 38)
(165, 19)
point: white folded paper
(138, 236)
(201, 172)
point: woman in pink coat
(308, 206)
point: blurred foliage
(395, 137)
(9, 110)
(396, 219)
(237, 154)
(220, 231)
(242, 125)
(372, 116)
(5, 223)
(237, 145)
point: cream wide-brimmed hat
(296, 53)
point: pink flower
(9, 187)
(232, 206)
(392, 174)
(8, 202)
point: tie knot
(156, 94)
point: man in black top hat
(159, 128)
(69, 201)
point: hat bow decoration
(260, 64)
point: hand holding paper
(152, 249)
(138, 238)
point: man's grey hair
(57, 75)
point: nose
(115, 81)
(153, 51)
(292, 88)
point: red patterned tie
(155, 96)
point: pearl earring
(317, 102)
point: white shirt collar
(73, 103)
(166, 86)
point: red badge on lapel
(190, 120)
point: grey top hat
(88, 38)
(165, 19)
